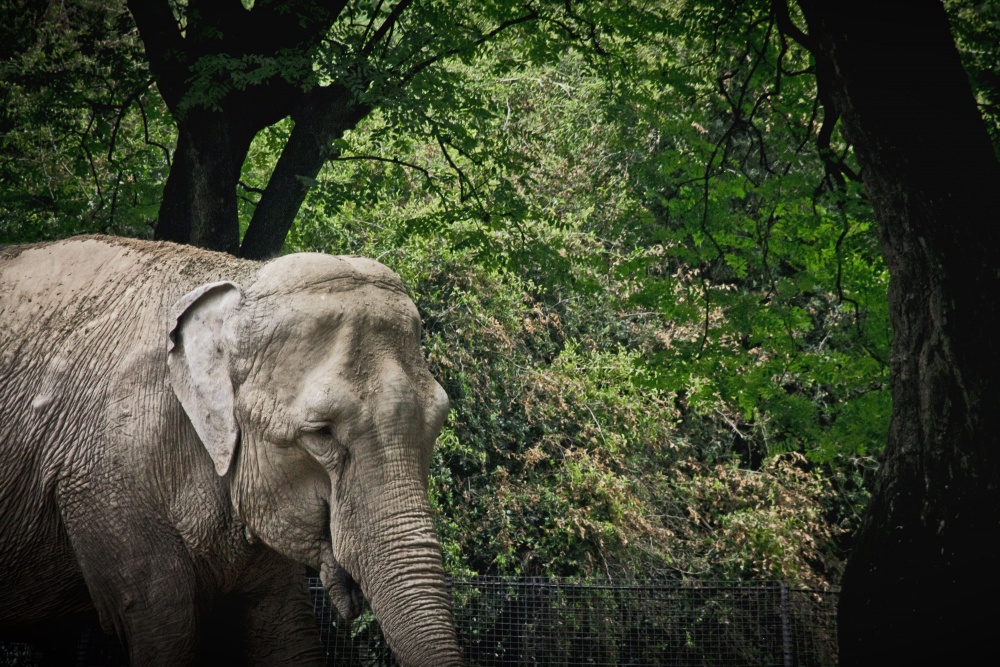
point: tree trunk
(199, 198)
(324, 115)
(919, 587)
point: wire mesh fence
(526, 622)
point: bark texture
(214, 135)
(323, 116)
(918, 586)
(199, 198)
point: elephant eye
(321, 443)
(322, 430)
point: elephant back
(83, 377)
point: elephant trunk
(403, 579)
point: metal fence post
(786, 626)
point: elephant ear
(198, 359)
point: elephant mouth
(344, 592)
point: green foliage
(764, 251)
(659, 313)
(976, 27)
(770, 523)
(83, 140)
(611, 290)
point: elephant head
(310, 392)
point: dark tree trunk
(193, 49)
(919, 586)
(199, 198)
(324, 115)
(214, 136)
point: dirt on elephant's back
(182, 263)
(81, 261)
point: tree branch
(249, 188)
(90, 156)
(145, 132)
(591, 28)
(463, 180)
(165, 48)
(416, 69)
(390, 160)
(269, 27)
(323, 116)
(371, 21)
(787, 27)
(386, 26)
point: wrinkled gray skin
(181, 430)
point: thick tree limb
(199, 199)
(780, 10)
(165, 48)
(324, 115)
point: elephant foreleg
(281, 628)
(145, 590)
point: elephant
(183, 433)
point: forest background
(649, 276)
